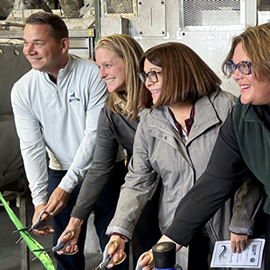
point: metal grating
(211, 12)
(264, 5)
(115, 8)
(265, 8)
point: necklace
(184, 127)
(177, 113)
(183, 121)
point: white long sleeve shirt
(60, 118)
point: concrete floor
(10, 256)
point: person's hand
(75, 225)
(117, 252)
(147, 261)
(238, 242)
(165, 238)
(45, 217)
(57, 201)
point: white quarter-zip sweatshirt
(59, 119)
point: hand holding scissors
(37, 225)
(107, 259)
(60, 245)
(146, 258)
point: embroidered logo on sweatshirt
(73, 96)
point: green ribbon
(31, 242)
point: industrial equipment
(207, 26)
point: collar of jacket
(251, 113)
(64, 72)
(68, 67)
(205, 117)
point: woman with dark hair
(243, 145)
(184, 110)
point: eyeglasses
(151, 75)
(243, 66)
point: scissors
(37, 226)
(60, 245)
(106, 257)
(138, 267)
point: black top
(113, 130)
(225, 172)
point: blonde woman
(118, 58)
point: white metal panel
(263, 17)
(114, 26)
(212, 47)
(251, 12)
(151, 19)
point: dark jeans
(104, 211)
(60, 221)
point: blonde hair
(126, 47)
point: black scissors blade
(34, 226)
(41, 250)
(58, 247)
(98, 268)
(22, 229)
(103, 264)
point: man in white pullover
(56, 107)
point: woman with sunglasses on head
(118, 59)
(185, 109)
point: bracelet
(120, 235)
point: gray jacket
(159, 149)
(113, 130)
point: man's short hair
(58, 27)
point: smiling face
(252, 91)
(112, 70)
(43, 51)
(154, 88)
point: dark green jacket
(254, 143)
